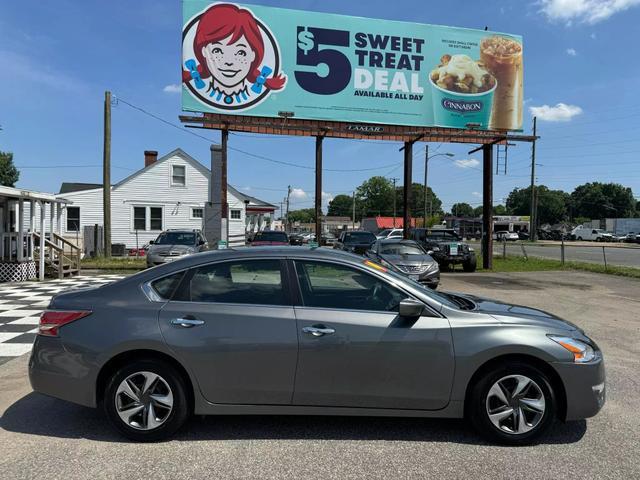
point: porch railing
(60, 255)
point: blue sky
(57, 59)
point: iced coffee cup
(502, 56)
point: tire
(170, 386)
(482, 398)
(470, 265)
(598, 239)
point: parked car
(447, 247)
(296, 239)
(522, 235)
(632, 237)
(329, 239)
(172, 244)
(269, 237)
(358, 241)
(506, 236)
(390, 233)
(409, 258)
(594, 234)
(294, 330)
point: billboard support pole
(224, 234)
(532, 211)
(487, 206)
(318, 199)
(406, 193)
(106, 176)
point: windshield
(442, 235)
(443, 298)
(359, 237)
(270, 237)
(384, 232)
(401, 249)
(176, 238)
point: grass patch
(114, 263)
(514, 263)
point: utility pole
(532, 211)
(426, 169)
(394, 202)
(286, 223)
(106, 176)
(353, 214)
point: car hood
(408, 259)
(157, 249)
(519, 314)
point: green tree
(462, 209)
(434, 204)
(305, 215)
(552, 205)
(477, 212)
(341, 206)
(601, 200)
(499, 210)
(375, 197)
(9, 174)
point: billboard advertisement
(267, 62)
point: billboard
(269, 62)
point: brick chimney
(150, 157)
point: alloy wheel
(515, 404)
(144, 400)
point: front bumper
(153, 260)
(55, 372)
(584, 386)
(430, 279)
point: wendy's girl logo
(231, 60)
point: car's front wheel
(146, 400)
(470, 265)
(512, 404)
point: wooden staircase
(61, 257)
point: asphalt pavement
(42, 437)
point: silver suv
(172, 244)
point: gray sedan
(409, 258)
(292, 330)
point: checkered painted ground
(22, 303)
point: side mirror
(429, 252)
(410, 308)
(151, 242)
(201, 242)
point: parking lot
(42, 437)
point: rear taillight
(52, 320)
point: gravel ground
(47, 438)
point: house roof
(253, 201)
(69, 187)
(21, 193)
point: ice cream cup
(457, 110)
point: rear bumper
(584, 386)
(55, 372)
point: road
(42, 437)
(616, 254)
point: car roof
(389, 241)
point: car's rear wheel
(512, 404)
(146, 400)
(470, 265)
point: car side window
(258, 282)
(328, 285)
(165, 286)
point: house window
(73, 219)
(197, 212)
(178, 175)
(236, 214)
(139, 218)
(147, 218)
(155, 218)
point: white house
(168, 193)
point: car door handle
(187, 322)
(318, 331)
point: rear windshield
(176, 238)
(270, 237)
(359, 237)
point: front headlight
(582, 352)
(436, 249)
(471, 249)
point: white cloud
(572, 52)
(593, 36)
(584, 11)
(327, 197)
(468, 163)
(298, 194)
(476, 194)
(172, 88)
(560, 113)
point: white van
(594, 234)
